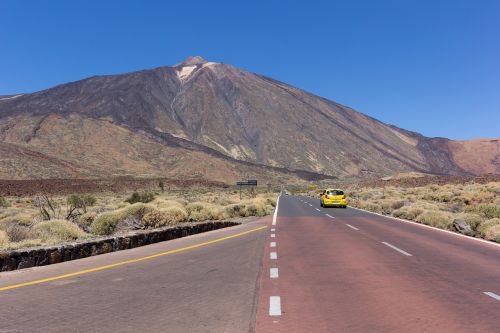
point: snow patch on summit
(185, 71)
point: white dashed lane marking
(273, 235)
(352, 227)
(492, 295)
(397, 249)
(273, 244)
(273, 273)
(275, 306)
(273, 255)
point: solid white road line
(274, 306)
(493, 295)
(273, 235)
(273, 244)
(330, 216)
(276, 211)
(273, 273)
(273, 255)
(350, 226)
(397, 249)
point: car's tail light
(343, 197)
(327, 196)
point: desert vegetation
(470, 208)
(44, 219)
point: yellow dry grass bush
(4, 239)
(105, 223)
(55, 231)
(85, 221)
(167, 216)
(435, 218)
(408, 213)
(493, 233)
(485, 225)
(235, 210)
(202, 211)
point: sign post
(248, 182)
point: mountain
(216, 121)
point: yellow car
(334, 198)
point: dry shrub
(397, 204)
(4, 202)
(438, 196)
(407, 213)
(55, 231)
(85, 220)
(168, 216)
(25, 219)
(485, 225)
(236, 210)
(105, 223)
(484, 197)
(435, 218)
(4, 239)
(493, 233)
(255, 210)
(18, 232)
(201, 211)
(372, 207)
(489, 211)
(144, 197)
(473, 220)
(271, 202)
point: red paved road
(334, 278)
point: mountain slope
(228, 115)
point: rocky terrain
(212, 121)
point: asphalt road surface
(307, 269)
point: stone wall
(11, 260)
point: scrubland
(472, 209)
(47, 220)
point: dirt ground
(69, 186)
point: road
(308, 269)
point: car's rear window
(335, 192)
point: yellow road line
(100, 268)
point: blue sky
(427, 66)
